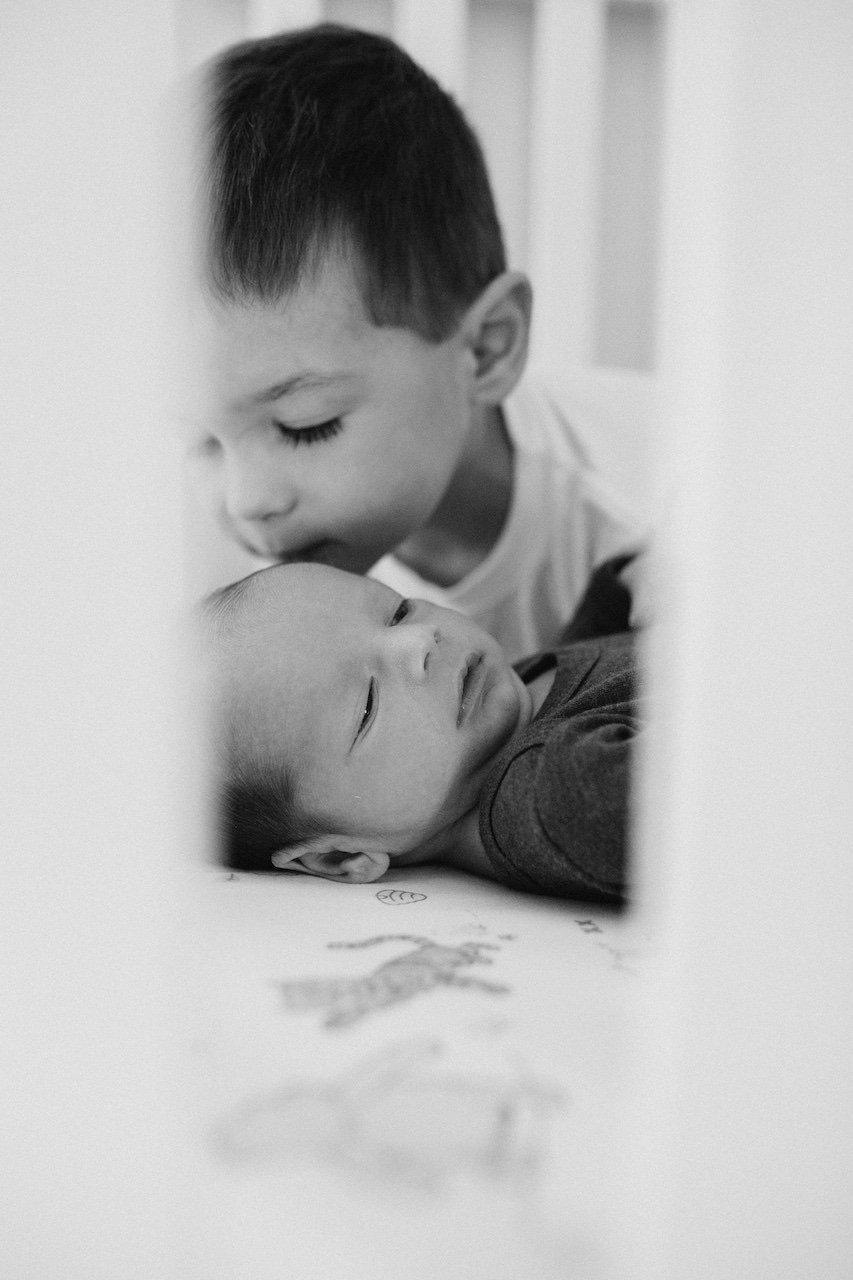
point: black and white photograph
(427, 645)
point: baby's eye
(403, 609)
(368, 708)
(309, 435)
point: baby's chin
(413, 857)
(516, 713)
(525, 704)
(519, 713)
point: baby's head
(353, 727)
(359, 314)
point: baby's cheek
(454, 787)
(419, 778)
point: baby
(358, 730)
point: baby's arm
(556, 821)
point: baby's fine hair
(330, 138)
(256, 812)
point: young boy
(357, 729)
(367, 344)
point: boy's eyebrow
(299, 382)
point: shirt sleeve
(556, 820)
(605, 607)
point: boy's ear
(496, 330)
(323, 858)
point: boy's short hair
(333, 138)
(257, 812)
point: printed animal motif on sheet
(426, 967)
(397, 897)
(400, 1117)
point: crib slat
(263, 17)
(436, 35)
(565, 174)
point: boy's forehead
(254, 355)
(328, 299)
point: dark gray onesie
(554, 813)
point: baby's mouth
(470, 683)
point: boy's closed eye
(309, 435)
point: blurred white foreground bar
(749, 1134)
(95, 1181)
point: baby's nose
(417, 647)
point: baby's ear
(323, 858)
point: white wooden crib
(431, 1075)
(200, 1085)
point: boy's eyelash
(402, 611)
(309, 435)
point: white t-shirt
(563, 521)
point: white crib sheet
(428, 1076)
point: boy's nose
(253, 492)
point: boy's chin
(337, 555)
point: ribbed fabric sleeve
(554, 813)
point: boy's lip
(470, 685)
(328, 551)
(316, 552)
